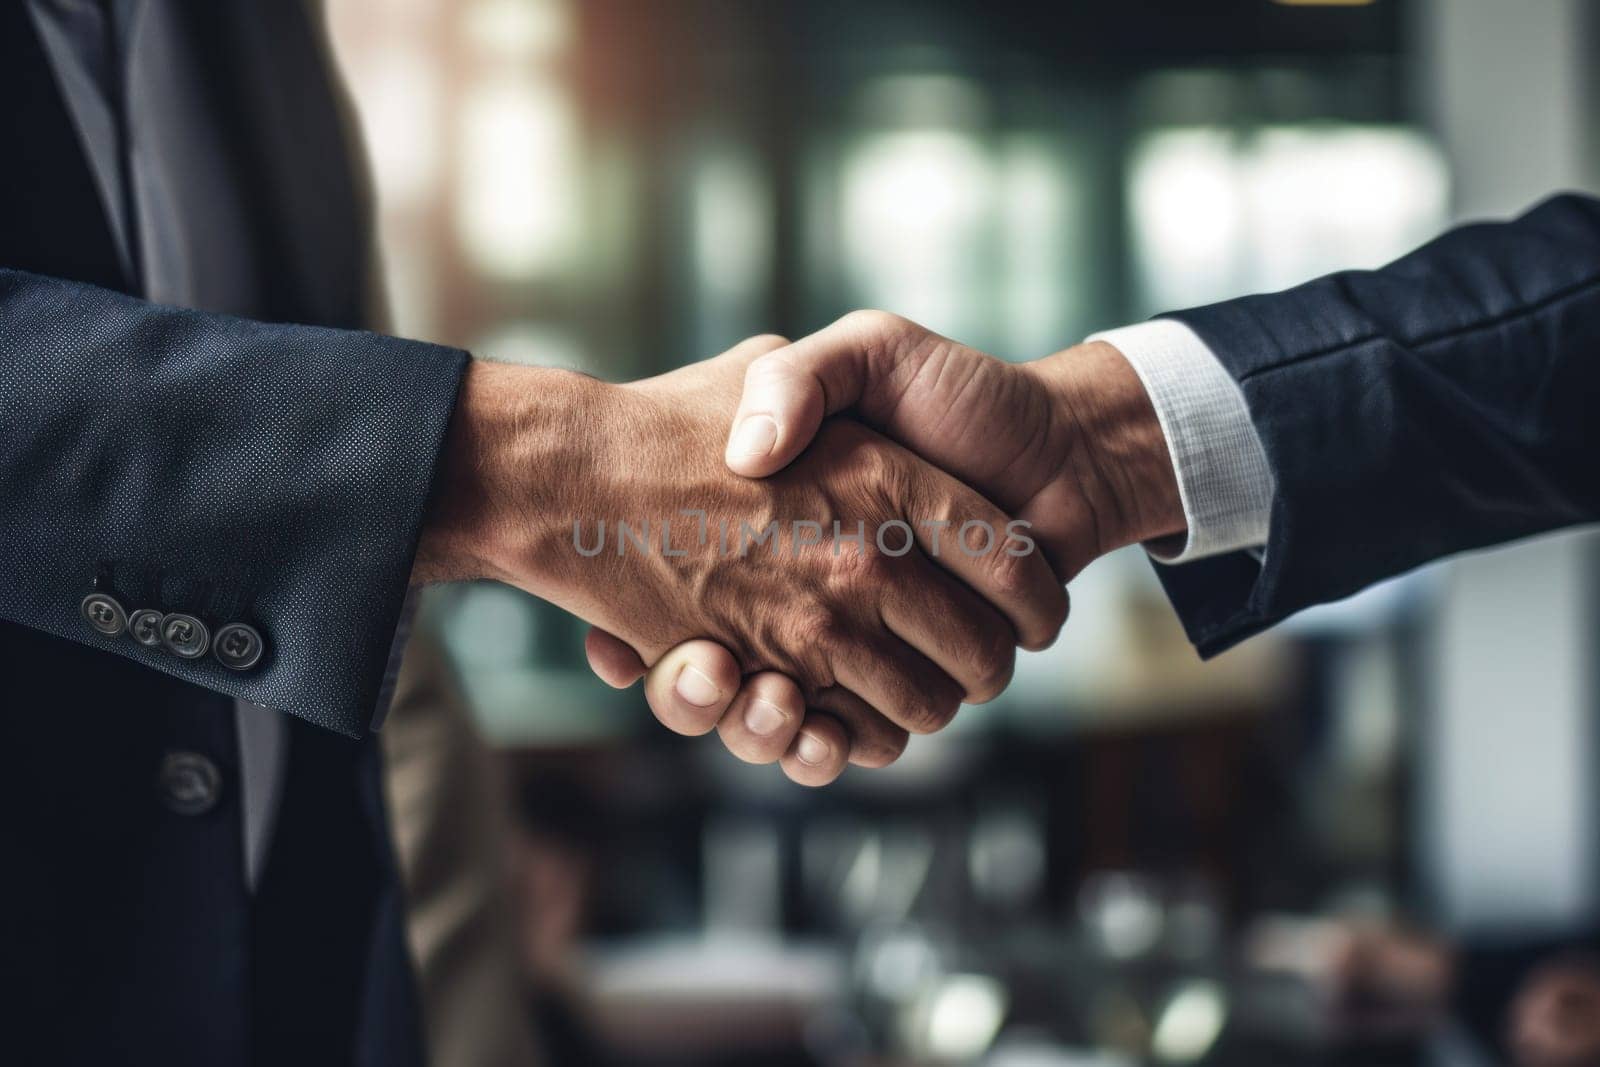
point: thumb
(782, 407)
(790, 390)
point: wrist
(1122, 462)
(513, 460)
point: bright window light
(1040, 243)
(913, 220)
(1216, 214)
(961, 1015)
(400, 91)
(518, 202)
(1190, 1024)
(1325, 199)
(1186, 199)
(519, 29)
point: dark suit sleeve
(1442, 403)
(227, 469)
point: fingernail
(696, 687)
(764, 717)
(812, 749)
(755, 436)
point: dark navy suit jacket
(273, 472)
(1444, 402)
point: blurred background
(1368, 837)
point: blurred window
(516, 176)
(932, 205)
(1215, 212)
(731, 237)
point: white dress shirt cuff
(1223, 478)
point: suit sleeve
(1442, 403)
(228, 471)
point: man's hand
(1069, 443)
(882, 642)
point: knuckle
(880, 751)
(867, 459)
(815, 625)
(878, 332)
(853, 573)
(761, 346)
(1011, 575)
(993, 663)
(871, 321)
(890, 480)
(818, 632)
(925, 711)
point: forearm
(513, 464)
(532, 451)
(1123, 465)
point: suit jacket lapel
(275, 81)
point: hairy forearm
(1121, 459)
(513, 462)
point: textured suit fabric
(1442, 403)
(221, 467)
(229, 466)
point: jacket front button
(185, 636)
(190, 783)
(145, 627)
(103, 614)
(238, 646)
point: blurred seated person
(1538, 997)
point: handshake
(814, 548)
